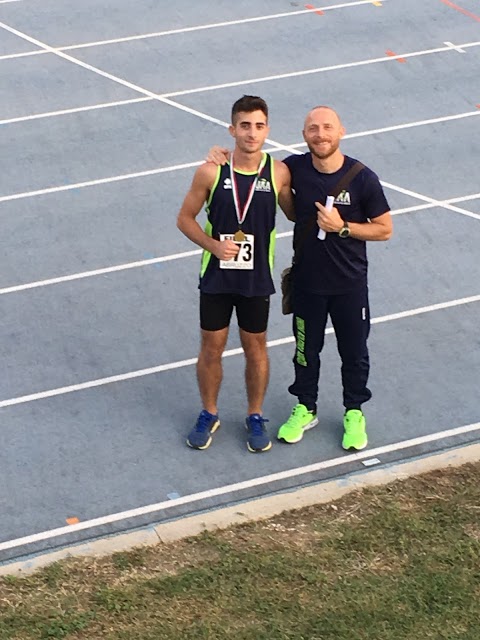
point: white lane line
(152, 96)
(240, 486)
(306, 72)
(92, 183)
(118, 103)
(8, 1)
(444, 204)
(294, 148)
(433, 204)
(140, 373)
(291, 473)
(81, 64)
(418, 123)
(63, 112)
(121, 267)
(121, 81)
(24, 54)
(186, 254)
(141, 90)
(273, 16)
(158, 34)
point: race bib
(244, 258)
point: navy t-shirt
(334, 265)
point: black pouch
(287, 290)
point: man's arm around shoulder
(284, 185)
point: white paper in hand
(328, 206)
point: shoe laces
(295, 415)
(353, 423)
(203, 422)
(257, 424)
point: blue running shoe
(258, 439)
(200, 437)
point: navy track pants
(350, 317)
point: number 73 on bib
(244, 258)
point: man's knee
(352, 350)
(254, 346)
(213, 345)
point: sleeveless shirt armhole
(215, 184)
(274, 182)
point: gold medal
(239, 236)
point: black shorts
(216, 311)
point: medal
(239, 236)
(242, 212)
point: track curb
(251, 510)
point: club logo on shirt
(263, 185)
(343, 198)
(227, 183)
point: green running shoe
(355, 436)
(300, 420)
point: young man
(236, 269)
(330, 278)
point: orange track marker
(392, 54)
(73, 520)
(319, 12)
(461, 9)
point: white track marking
(242, 485)
(181, 107)
(120, 267)
(154, 96)
(122, 82)
(306, 72)
(293, 148)
(418, 123)
(458, 49)
(92, 183)
(444, 204)
(215, 25)
(158, 34)
(239, 486)
(24, 54)
(432, 205)
(100, 382)
(186, 254)
(64, 112)
(118, 103)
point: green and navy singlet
(259, 222)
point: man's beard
(327, 154)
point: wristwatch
(345, 230)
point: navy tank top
(259, 222)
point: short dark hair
(249, 104)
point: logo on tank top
(263, 185)
(343, 198)
(227, 183)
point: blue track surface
(96, 281)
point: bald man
(331, 274)
(330, 278)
